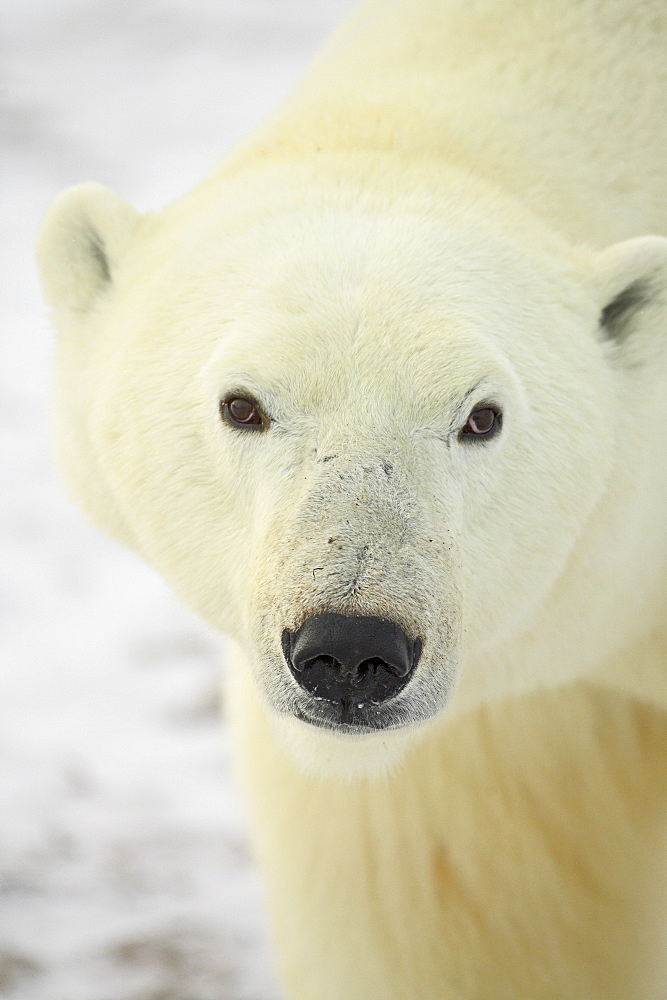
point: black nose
(358, 661)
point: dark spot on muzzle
(350, 660)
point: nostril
(319, 663)
(369, 667)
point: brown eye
(482, 423)
(242, 412)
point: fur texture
(464, 204)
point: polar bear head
(387, 438)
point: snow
(124, 867)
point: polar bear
(384, 399)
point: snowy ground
(124, 870)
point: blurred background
(124, 866)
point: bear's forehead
(368, 361)
(312, 302)
(325, 259)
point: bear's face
(400, 458)
(330, 415)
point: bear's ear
(83, 239)
(630, 279)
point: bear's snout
(349, 660)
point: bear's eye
(239, 411)
(482, 423)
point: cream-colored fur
(465, 201)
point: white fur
(450, 200)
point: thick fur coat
(461, 210)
